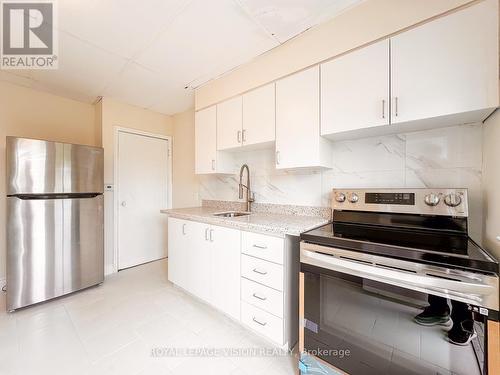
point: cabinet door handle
(255, 295)
(277, 157)
(383, 108)
(259, 322)
(211, 235)
(206, 234)
(184, 229)
(259, 272)
(213, 164)
(396, 110)
(243, 137)
(238, 137)
(263, 247)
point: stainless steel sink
(232, 214)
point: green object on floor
(309, 365)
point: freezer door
(83, 169)
(83, 252)
(34, 251)
(33, 166)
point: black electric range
(366, 277)
(398, 227)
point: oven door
(358, 323)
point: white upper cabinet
(298, 140)
(447, 67)
(205, 134)
(259, 116)
(229, 124)
(355, 90)
(207, 159)
(247, 121)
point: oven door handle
(482, 294)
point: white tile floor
(112, 329)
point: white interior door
(142, 191)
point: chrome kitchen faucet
(250, 195)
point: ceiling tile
(173, 101)
(20, 78)
(205, 37)
(285, 19)
(137, 85)
(144, 53)
(84, 69)
(120, 26)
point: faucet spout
(241, 186)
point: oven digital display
(390, 198)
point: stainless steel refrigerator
(55, 239)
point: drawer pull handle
(261, 323)
(255, 295)
(263, 247)
(259, 272)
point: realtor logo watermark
(29, 35)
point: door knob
(124, 204)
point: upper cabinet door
(259, 116)
(205, 126)
(298, 141)
(355, 90)
(229, 124)
(446, 66)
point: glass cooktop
(448, 247)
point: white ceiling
(145, 53)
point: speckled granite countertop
(261, 222)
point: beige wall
(185, 190)
(34, 114)
(365, 23)
(491, 183)
(118, 114)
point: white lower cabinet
(198, 260)
(264, 323)
(205, 261)
(262, 271)
(247, 276)
(263, 297)
(225, 270)
(177, 254)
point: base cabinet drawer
(262, 246)
(261, 271)
(262, 322)
(263, 297)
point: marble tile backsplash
(440, 158)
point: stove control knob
(432, 199)
(452, 200)
(340, 197)
(353, 198)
